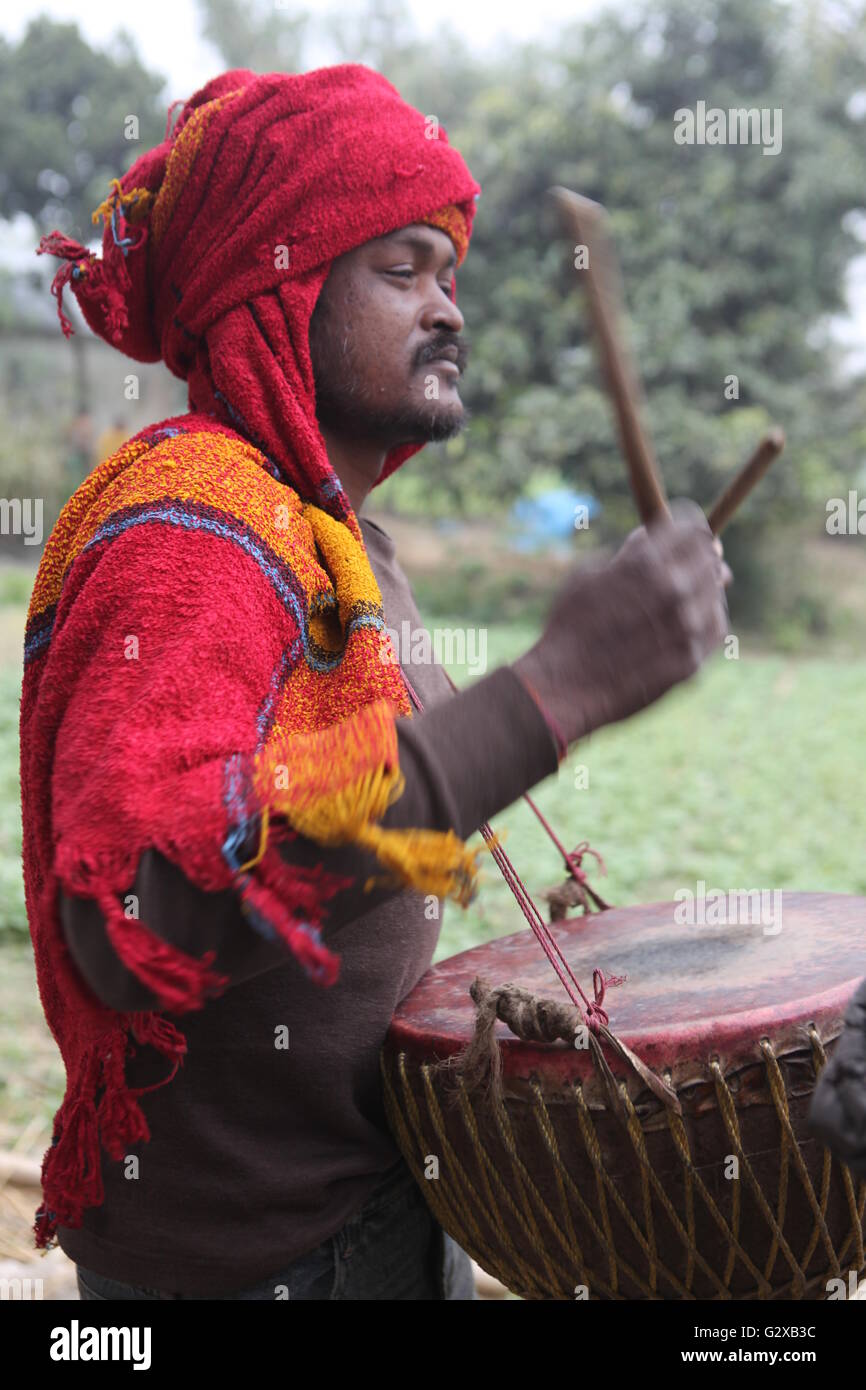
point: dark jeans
(392, 1249)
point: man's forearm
(472, 756)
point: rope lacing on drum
(486, 1209)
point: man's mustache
(445, 344)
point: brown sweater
(258, 1151)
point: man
(218, 764)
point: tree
(732, 259)
(256, 34)
(64, 124)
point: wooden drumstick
(739, 488)
(586, 223)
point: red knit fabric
(216, 246)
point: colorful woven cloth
(203, 670)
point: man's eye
(410, 275)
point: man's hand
(623, 632)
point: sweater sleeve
(463, 761)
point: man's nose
(440, 312)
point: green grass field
(748, 777)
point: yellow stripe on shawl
(332, 785)
(345, 559)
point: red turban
(217, 243)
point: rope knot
(574, 861)
(595, 1017)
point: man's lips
(446, 358)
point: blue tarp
(550, 517)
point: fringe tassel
(264, 896)
(122, 1122)
(78, 261)
(159, 1033)
(180, 982)
(71, 1169)
(83, 265)
(135, 205)
(431, 861)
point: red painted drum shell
(695, 991)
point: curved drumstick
(739, 488)
(586, 223)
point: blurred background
(745, 276)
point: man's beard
(341, 407)
(342, 404)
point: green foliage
(719, 781)
(732, 258)
(255, 34)
(481, 595)
(62, 123)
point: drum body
(557, 1197)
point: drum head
(705, 979)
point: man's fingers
(685, 512)
(634, 538)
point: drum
(726, 1196)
